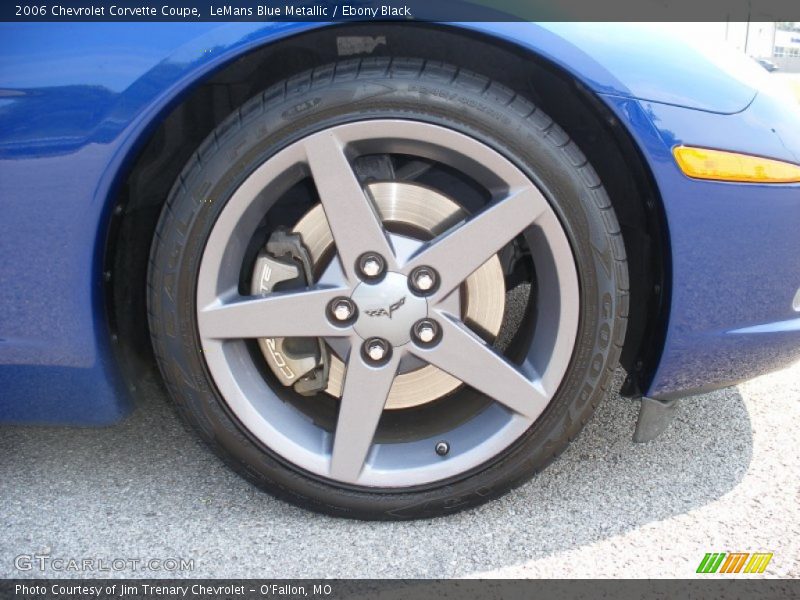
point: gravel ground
(723, 478)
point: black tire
(410, 89)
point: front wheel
(388, 289)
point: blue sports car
(387, 270)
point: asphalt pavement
(724, 478)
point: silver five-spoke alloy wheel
(387, 305)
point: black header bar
(383, 10)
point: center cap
(388, 309)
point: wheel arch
(172, 134)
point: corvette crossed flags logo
(382, 312)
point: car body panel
(734, 247)
(663, 68)
(74, 113)
(71, 120)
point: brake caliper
(302, 363)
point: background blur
(774, 45)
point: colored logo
(734, 562)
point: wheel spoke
(363, 398)
(462, 250)
(467, 357)
(354, 223)
(282, 314)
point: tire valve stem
(442, 448)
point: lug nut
(342, 312)
(424, 280)
(426, 332)
(342, 309)
(442, 448)
(371, 265)
(376, 350)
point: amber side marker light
(703, 163)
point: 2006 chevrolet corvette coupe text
(387, 270)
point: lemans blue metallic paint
(734, 246)
(71, 118)
(639, 61)
(77, 101)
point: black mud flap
(654, 416)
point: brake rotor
(425, 213)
